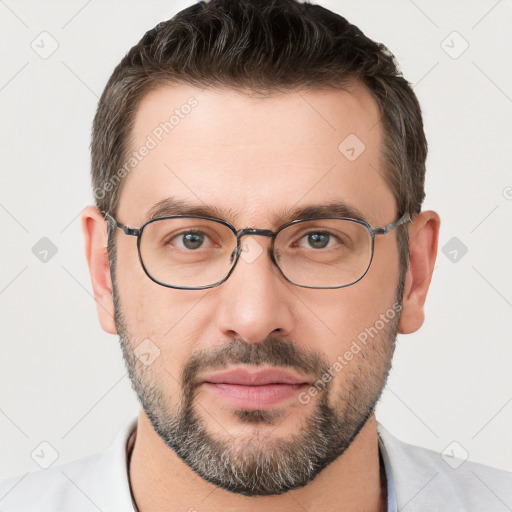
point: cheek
(150, 310)
(173, 320)
(350, 312)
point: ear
(423, 238)
(94, 228)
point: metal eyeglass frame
(373, 231)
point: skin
(257, 156)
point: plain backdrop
(62, 378)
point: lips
(254, 389)
(244, 377)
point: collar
(390, 481)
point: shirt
(417, 478)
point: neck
(161, 481)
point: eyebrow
(174, 206)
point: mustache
(272, 351)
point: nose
(255, 300)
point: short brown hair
(262, 46)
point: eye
(189, 240)
(318, 240)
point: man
(258, 171)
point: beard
(261, 464)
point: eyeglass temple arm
(386, 229)
(116, 224)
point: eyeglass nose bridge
(254, 231)
(258, 232)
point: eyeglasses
(193, 252)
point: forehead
(253, 159)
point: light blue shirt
(101, 481)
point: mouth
(254, 389)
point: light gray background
(62, 378)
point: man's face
(253, 158)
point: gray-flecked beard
(263, 465)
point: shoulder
(96, 482)
(427, 480)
